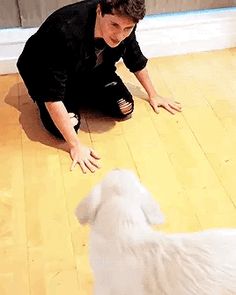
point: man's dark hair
(134, 9)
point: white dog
(129, 258)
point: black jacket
(64, 47)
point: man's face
(113, 28)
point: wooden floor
(188, 161)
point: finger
(94, 163)
(74, 163)
(83, 167)
(177, 102)
(176, 107)
(169, 109)
(156, 109)
(89, 166)
(94, 155)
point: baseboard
(12, 42)
(158, 35)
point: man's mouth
(115, 41)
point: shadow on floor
(92, 122)
(29, 117)
(136, 91)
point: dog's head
(119, 183)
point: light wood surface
(187, 161)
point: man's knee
(125, 107)
(118, 101)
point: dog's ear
(87, 208)
(151, 209)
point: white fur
(129, 258)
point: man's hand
(85, 157)
(166, 103)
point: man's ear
(87, 208)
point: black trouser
(101, 90)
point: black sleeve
(43, 66)
(133, 57)
(55, 64)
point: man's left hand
(171, 106)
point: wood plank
(186, 161)
(14, 272)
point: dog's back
(187, 264)
(200, 263)
(128, 257)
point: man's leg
(111, 96)
(116, 100)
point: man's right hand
(64, 121)
(85, 157)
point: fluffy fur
(129, 258)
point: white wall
(158, 35)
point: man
(71, 60)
